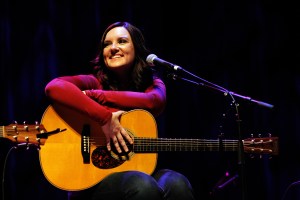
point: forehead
(117, 32)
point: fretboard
(166, 144)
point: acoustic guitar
(72, 148)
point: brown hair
(142, 73)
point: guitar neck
(267, 145)
(143, 145)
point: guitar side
(61, 158)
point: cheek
(130, 59)
(105, 62)
(131, 53)
(105, 52)
(105, 56)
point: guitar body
(61, 155)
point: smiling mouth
(116, 56)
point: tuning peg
(37, 127)
(16, 138)
(38, 146)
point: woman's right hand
(115, 132)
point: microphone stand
(205, 83)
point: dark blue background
(248, 47)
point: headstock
(261, 145)
(25, 133)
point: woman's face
(118, 52)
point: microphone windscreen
(150, 59)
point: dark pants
(134, 185)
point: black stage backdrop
(248, 47)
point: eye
(105, 44)
(122, 41)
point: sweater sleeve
(67, 91)
(152, 99)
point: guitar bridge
(85, 143)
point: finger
(116, 144)
(127, 136)
(108, 145)
(122, 142)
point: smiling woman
(118, 52)
(122, 81)
(250, 47)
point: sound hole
(102, 159)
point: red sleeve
(153, 99)
(67, 91)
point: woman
(122, 81)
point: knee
(175, 185)
(172, 176)
(142, 181)
(143, 186)
(172, 180)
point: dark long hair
(142, 74)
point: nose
(115, 46)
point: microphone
(153, 60)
